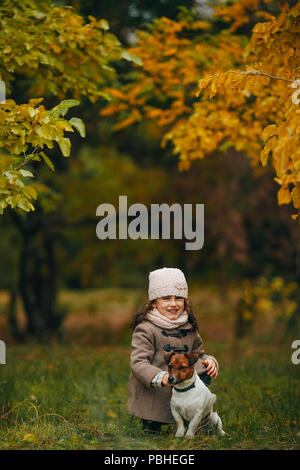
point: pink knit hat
(167, 281)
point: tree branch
(257, 72)
(37, 149)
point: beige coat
(149, 344)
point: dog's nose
(171, 379)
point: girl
(166, 324)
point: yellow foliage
(26, 130)
(239, 12)
(29, 438)
(248, 90)
(269, 297)
(274, 48)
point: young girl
(166, 324)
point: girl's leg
(151, 426)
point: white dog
(191, 400)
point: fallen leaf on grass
(29, 438)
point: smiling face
(171, 306)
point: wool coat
(149, 345)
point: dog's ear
(168, 356)
(192, 358)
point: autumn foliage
(60, 55)
(215, 91)
(269, 79)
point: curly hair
(147, 307)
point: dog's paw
(180, 433)
(189, 436)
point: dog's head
(180, 366)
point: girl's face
(171, 306)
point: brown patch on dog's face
(181, 367)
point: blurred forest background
(67, 298)
(250, 241)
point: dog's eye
(183, 367)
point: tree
(273, 56)
(254, 110)
(59, 54)
(24, 126)
(54, 53)
(126, 15)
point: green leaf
(103, 24)
(64, 125)
(26, 173)
(65, 146)
(62, 108)
(11, 176)
(47, 161)
(19, 183)
(25, 205)
(46, 132)
(29, 191)
(132, 57)
(79, 125)
(104, 95)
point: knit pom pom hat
(167, 281)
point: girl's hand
(165, 382)
(211, 367)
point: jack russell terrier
(191, 400)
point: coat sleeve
(142, 354)
(199, 349)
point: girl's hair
(139, 317)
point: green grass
(67, 397)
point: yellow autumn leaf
(253, 77)
(213, 89)
(284, 196)
(295, 194)
(29, 438)
(269, 131)
(125, 123)
(55, 48)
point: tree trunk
(37, 283)
(15, 329)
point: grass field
(74, 396)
